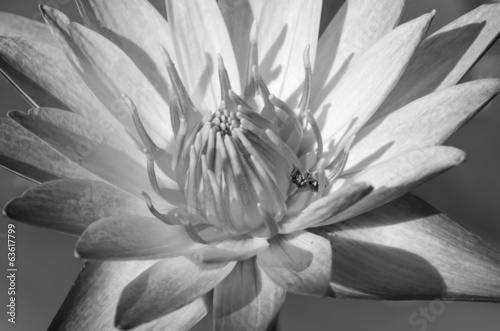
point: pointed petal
(326, 207)
(446, 56)
(247, 299)
(282, 40)
(231, 250)
(368, 82)
(108, 155)
(92, 301)
(355, 27)
(109, 73)
(165, 287)
(138, 29)
(17, 26)
(427, 121)
(45, 78)
(397, 176)
(407, 250)
(238, 16)
(300, 262)
(26, 155)
(70, 205)
(129, 237)
(199, 35)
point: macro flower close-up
(218, 155)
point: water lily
(227, 157)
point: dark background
(468, 194)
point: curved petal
(247, 299)
(199, 34)
(368, 82)
(165, 287)
(355, 27)
(138, 29)
(129, 237)
(231, 250)
(326, 207)
(92, 301)
(26, 155)
(397, 176)
(300, 262)
(109, 73)
(108, 155)
(446, 56)
(427, 121)
(282, 40)
(45, 78)
(70, 205)
(410, 251)
(17, 26)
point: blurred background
(469, 194)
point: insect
(304, 180)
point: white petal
(355, 27)
(427, 121)
(109, 72)
(446, 56)
(300, 262)
(247, 299)
(199, 35)
(285, 28)
(165, 287)
(368, 82)
(138, 29)
(397, 176)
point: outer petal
(109, 72)
(91, 303)
(397, 176)
(110, 156)
(445, 57)
(165, 287)
(427, 121)
(26, 155)
(45, 78)
(368, 82)
(199, 35)
(129, 237)
(138, 29)
(247, 299)
(17, 26)
(408, 250)
(300, 262)
(282, 39)
(70, 205)
(356, 26)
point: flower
(284, 170)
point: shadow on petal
(382, 271)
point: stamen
(225, 84)
(210, 210)
(256, 118)
(289, 112)
(223, 217)
(211, 149)
(321, 179)
(268, 110)
(306, 91)
(188, 223)
(145, 138)
(152, 175)
(269, 167)
(179, 142)
(253, 61)
(317, 136)
(192, 182)
(238, 171)
(162, 217)
(340, 159)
